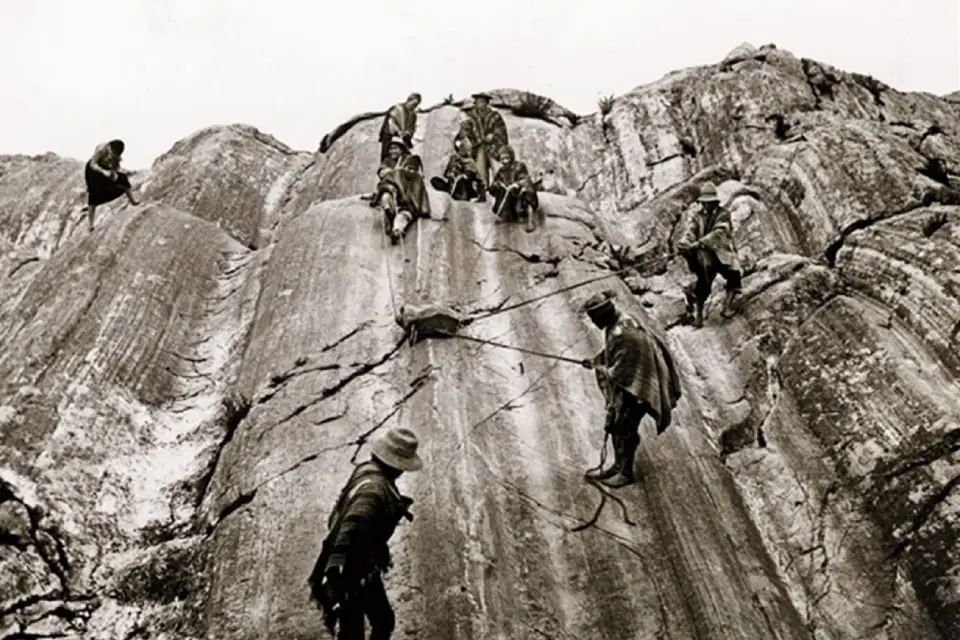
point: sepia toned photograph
(506, 320)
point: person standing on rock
(399, 122)
(709, 247)
(487, 133)
(460, 178)
(401, 192)
(636, 374)
(105, 180)
(346, 580)
(515, 197)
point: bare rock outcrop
(184, 390)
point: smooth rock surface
(184, 390)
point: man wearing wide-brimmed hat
(709, 247)
(636, 375)
(487, 133)
(400, 122)
(346, 580)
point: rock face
(184, 390)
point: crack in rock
(246, 497)
(278, 381)
(923, 515)
(944, 196)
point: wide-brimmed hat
(708, 193)
(482, 95)
(397, 448)
(599, 301)
(397, 140)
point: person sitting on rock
(346, 580)
(399, 122)
(515, 197)
(105, 180)
(709, 247)
(636, 374)
(486, 131)
(401, 192)
(461, 178)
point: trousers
(705, 266)
(371, 603)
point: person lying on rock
(401, 192)
(461, 178)
(399, 122)
(636, 374)
(346, 580)
(709, 247)
(515, 197)
(486, 131)
(105, 180)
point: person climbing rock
(515, 197)
(401, 193)
(486, 131)
(105, 180)
(709, 247)
(460, 178)
(636, 374)
(346, 580)
(399, 122)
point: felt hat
(477, 96)
(397, 448)
(397, 140)
(599, 301)
(708, 193)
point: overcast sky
(79, 72)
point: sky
(79, 72)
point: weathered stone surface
(178, 411)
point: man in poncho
(461, 179)
(400, 122)
(636, 375)
(346, 580)
(486, 131)
(709, 247)
(105, 180)
(401, 192)
(515, 197)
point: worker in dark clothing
(636, 375)
(709, 247)
(105, 180)
(460, 178)
(486, 131)
(399, 122)
(346, 580)
(515, 196)
(401, 192)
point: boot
(728, 302)
(531, 225)
(624, 475)
(400, 225)
(609, 471)
(698, 315)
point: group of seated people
(401, 192)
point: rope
(511, 347)
(571, 287)
(603, 453)
(386, 259)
